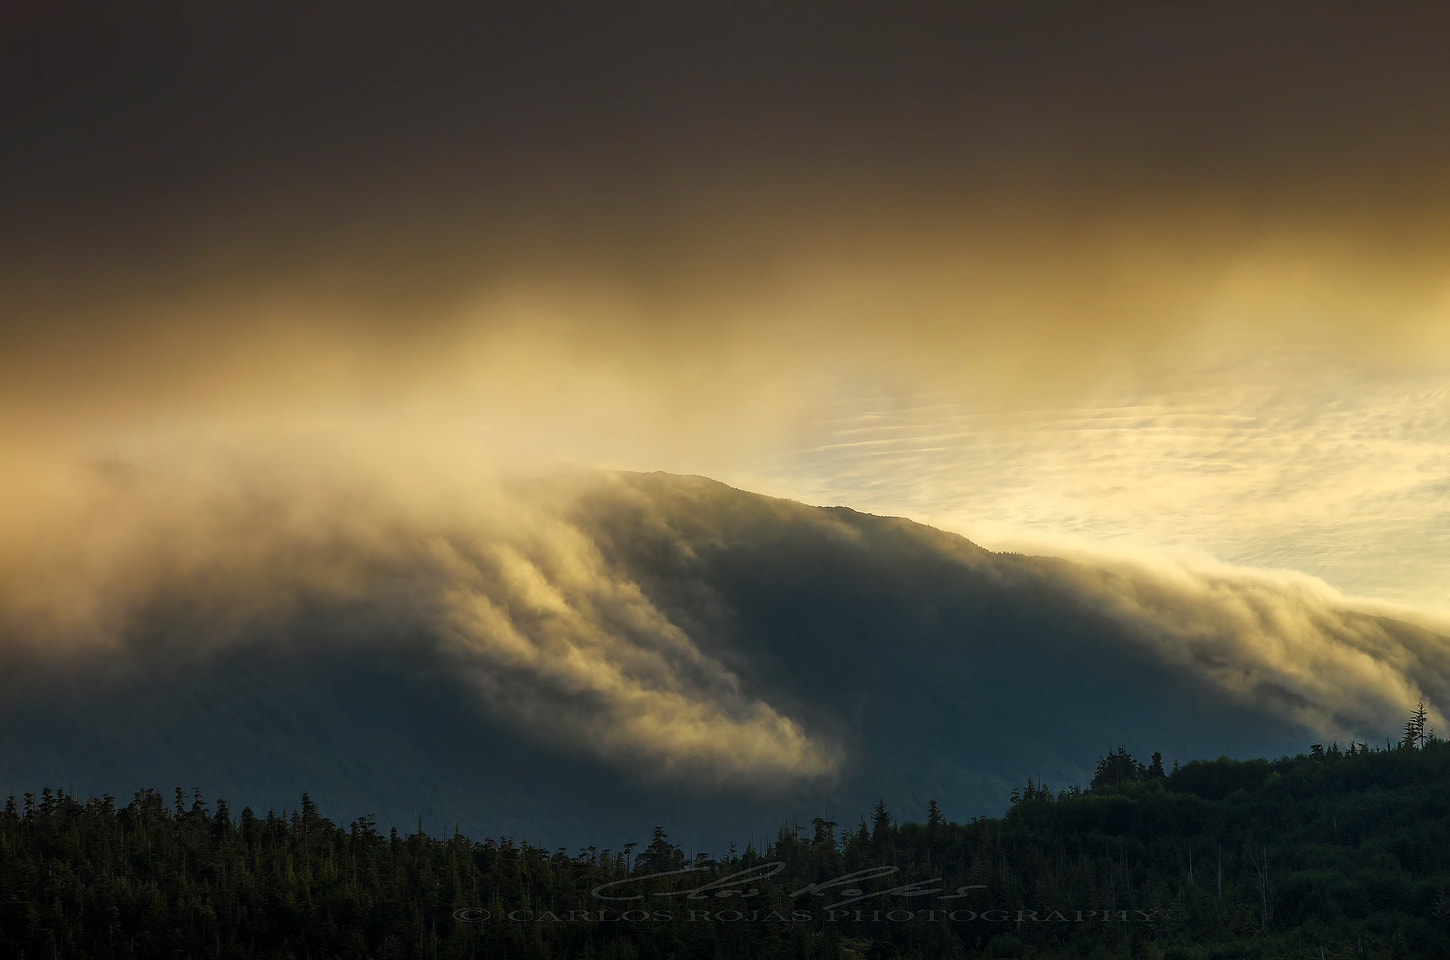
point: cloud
(498, 587)
(633, 240)
(570, 649)
(535, 593)
(1277, 639)
(689, 262)
(1283, 459)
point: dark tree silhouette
(880, 821)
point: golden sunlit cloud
(1266, 399)
(517, 599)
(1278, 639)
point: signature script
(850, 886)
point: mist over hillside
(576, 660)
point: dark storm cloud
(214, 207)
(257, 140)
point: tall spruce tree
(1415, 728)
(880, 820)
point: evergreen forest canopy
(1340, 852)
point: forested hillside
(1340, 852)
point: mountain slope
(618, 651)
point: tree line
(1335, 852)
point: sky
(1159, 281)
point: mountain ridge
(735, 659)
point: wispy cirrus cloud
(1278, 460)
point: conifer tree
(1415, 728)
(880, 820)
(935, 819)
